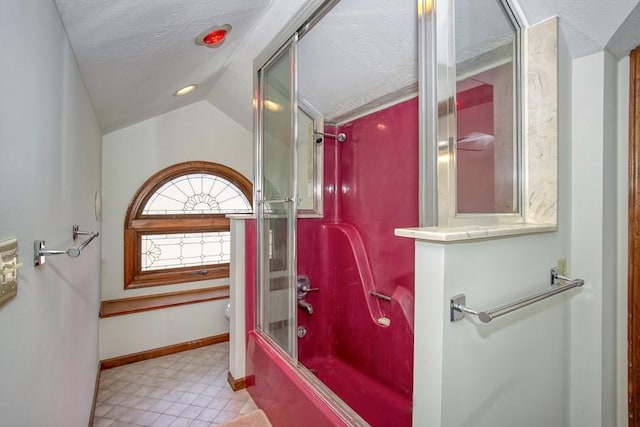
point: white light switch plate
(8, 269)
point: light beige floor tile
(212, 390)
(208, 414)
(198, 388)
(202, 400)
(184, 386)
(116, 412)
(144, 391)
(164, 420)
(218, 403)
(159, 393)
(191, 412)
(173, 396)
(132, 415)
(122, 424)
(187, 398)
(130, 388)
(161, 406)
(181, 422)
(132, 401)
(117, 398)
(146, 403)
(101, 409)
(176, 409)
(183, 389)
(104, 395)
(148, 418)
(102, 422)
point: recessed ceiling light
(214, 37)
(185, 90)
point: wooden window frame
(136, 224)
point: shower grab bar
(40, 252)
(380, 296)
(457, 307)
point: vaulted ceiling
(133, 55)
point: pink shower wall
(371, 188)
(379, 182)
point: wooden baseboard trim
(92, 414)
(237, 384)
(162, 351)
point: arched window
(175, 229)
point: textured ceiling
(360, 51)
(134, 54)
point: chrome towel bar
(457, 307)
(40, 252)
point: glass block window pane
(198, 193)
(160, 251)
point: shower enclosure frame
(311, 13)
(289, 202)
(302, 22)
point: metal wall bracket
(457, 301)
(557, 277)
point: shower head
(340, 137)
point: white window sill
(472, 232)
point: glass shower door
(277, 207)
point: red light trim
(214, 37)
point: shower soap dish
(384, 321)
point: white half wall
(50, 155)
(237, 322)
(510, 372)
(136, 332)
(129, 157)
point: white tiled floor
(183, 389)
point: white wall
(593, 241)
(129, 157)
(50, 155)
